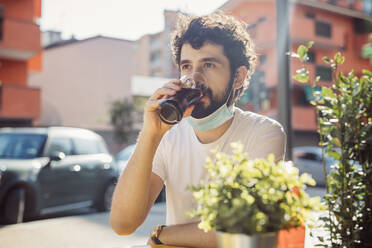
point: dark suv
(49, 170)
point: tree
(123, 116)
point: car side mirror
(57, 156)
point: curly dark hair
(221, 29)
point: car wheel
(106, 198)
(14, 206)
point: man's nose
(198, 77)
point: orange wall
(19, 101)
(20, 9)
(12, 71)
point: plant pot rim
(256, 234)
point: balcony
(303, 31)
(18, 101)
(20, 39)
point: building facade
(153, 51)
(334, 26)
(20, 53)
(81, 79)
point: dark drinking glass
(171, 110)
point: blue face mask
(214, 120)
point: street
(86, 229)
(79, 231)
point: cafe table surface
(156, 246)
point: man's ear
(240, 77)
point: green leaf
(367, 72)
(310, 44)
(301, 78)
(328, 92)
(327, 60)
(302, 52)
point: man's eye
(209, 65)
(185, 67)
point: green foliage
(122, 116)
(345, 126)
(367, 50)
(252, 196)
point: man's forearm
(188, 235)
(130, 201)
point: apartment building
(341, 25)
(20, 55)
(153, 51)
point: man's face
(210, 67)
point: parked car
(122, 158)
(309, 159)
(49, 170)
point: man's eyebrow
(208, 59)
(211, 59)
(185, 61)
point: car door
(310, 162)
(58, 180)
(94, 165)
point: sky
(126, 19)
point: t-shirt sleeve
(270, 138)
(159, 162)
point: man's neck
(210, 136)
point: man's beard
(201, 111)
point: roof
(74, 41)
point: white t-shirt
(180, 157)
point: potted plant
(344, 113)
(249, 201)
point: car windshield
(125, 153)
(21, 145)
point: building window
(324, 72)
(323, 29)
(311, 56)
(310, 15)
(263, 59)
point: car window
(86, 146)
(308, 156)
(21, 146)
(60, 144)
(125, 153)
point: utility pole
(284, 88)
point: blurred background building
(20, 55)
(81, 79)
(334, 25)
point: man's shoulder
(258, 120)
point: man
(217, 52)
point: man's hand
(186, 235)
(152, 122)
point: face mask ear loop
(229, 98)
